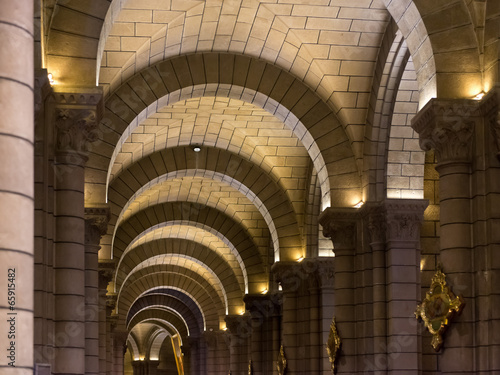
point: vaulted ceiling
(229, 125)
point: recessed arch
(210, 236)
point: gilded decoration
(438, 308)
(250, 367)
(333, 344)
(281, 365)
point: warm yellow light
(264, 291)
(359, 204)
(242, 312)
(51, 78)
(479, 96)
(300, 259)
(141, 358)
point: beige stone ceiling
(279, 95)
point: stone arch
(243, 176)
(186, 252)
(157, 232)
(204, 215)
(173, 277)
(162, 313)
(190, 312)
(323, 128)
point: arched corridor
(217, 181)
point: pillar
(340, 224)
(119, 350)
(16, 183)
(105, 276)
(239, 331)
(194, 355)
(377, 229)
(291, 278)
(448, 127)
(76, 125)
(96, 221)
(403, 221)
(264, 341)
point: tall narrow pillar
(16, 185)
(76, 125)
(119, 349)
(264, 341)
(105, 276)
(340, 224)
(239, 328)
(96, 222)
(291, 278)
(403, 221)
(377, 229)
(448, 127)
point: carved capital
(339, 224)
(111, 300)
(376, 224)
(263, 306)
(96, 224)
(447, 126)
(325, 272)
(404, 218)
(106, 271)
(77, 117)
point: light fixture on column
(359, 204)
(479, 96)
(300, 259)
(51, 78)
(264, 291)
(196, 148)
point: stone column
(111, 321)
(119, 350)
(340, 224)
(17, 181)
(195, 360)
(239, 330)
(291, 278)
(96, 222)
(448, 126)
(377, 229)
(403, 221)
(105, 275)
(325, 275)
(152, 366)
(76, 124)
(264, 343)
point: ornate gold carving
(333, 344)
(438, 308)
(250, 372)
(281, 363)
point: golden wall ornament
(333, 344)
(281, 365)
(250, 367)
(438, 308)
